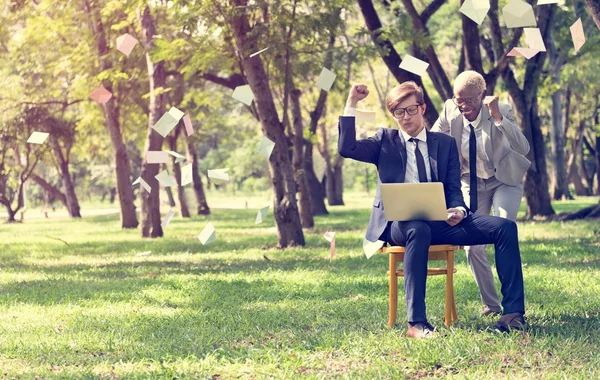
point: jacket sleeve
(518, 142)
(442, 124)
(454, 196)
(366, 150)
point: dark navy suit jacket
(387, 151)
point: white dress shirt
(485, 166)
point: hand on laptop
(457, 216)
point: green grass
(92, 309)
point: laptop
(414, 201)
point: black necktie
(420, 161)
(473, 169)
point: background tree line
(192, 55)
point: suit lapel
(456, 128)
(432, 149)
(398, 140)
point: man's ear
(424, 106)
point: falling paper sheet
(243, 94)
(262, 214)
(157, 157)
(168, 121)
(186, 175)
(165, 179)
(364, 116)
(218, 176)
(523, 52)
(126, 43)
(330, 237)
(577, 34)
(414, 65)
(326, 79)
(189, 128)
(176, 113)
(476, 10)
(258, 52)
(265, 147)
(371, 247)
(143, 183)
(319, 165)
(208, 234)
(167, 218)
(533, 39)
(100, 95)
(37, 138)
(518, 14)
(147, 253)
(178, 157)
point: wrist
(351, 103)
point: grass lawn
(241, 308)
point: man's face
(411, 124)
(469, 101)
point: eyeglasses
(471, 102)
(411, 110)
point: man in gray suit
(492, 153)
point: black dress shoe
(512, 321)
(421, 330)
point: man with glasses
(412, 154)
(492, 153)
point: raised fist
(358, 92)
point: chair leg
(393, 279)
(450, 284)
(448, 298)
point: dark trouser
(417, 236)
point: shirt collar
(422, 136)
(475, 122)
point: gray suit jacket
(505, 143)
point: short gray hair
(469, 78)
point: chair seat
(432, 248)
(430, 272)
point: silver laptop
(413, 201)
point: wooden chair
(436, 252)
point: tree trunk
(287, 218)
(561, 182)
(436, 70)
(150, 216)
(54, 192)
(471, 45)
(192, 156)
(335, 183)
(576, 151)
(597, 160)
(304, 203)
(111, 113)
(390, 56)
(594, 8)
(317, 195)
(536, 191)
(71, 196)
(11, 215)
(183, 205)
(586, 177)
